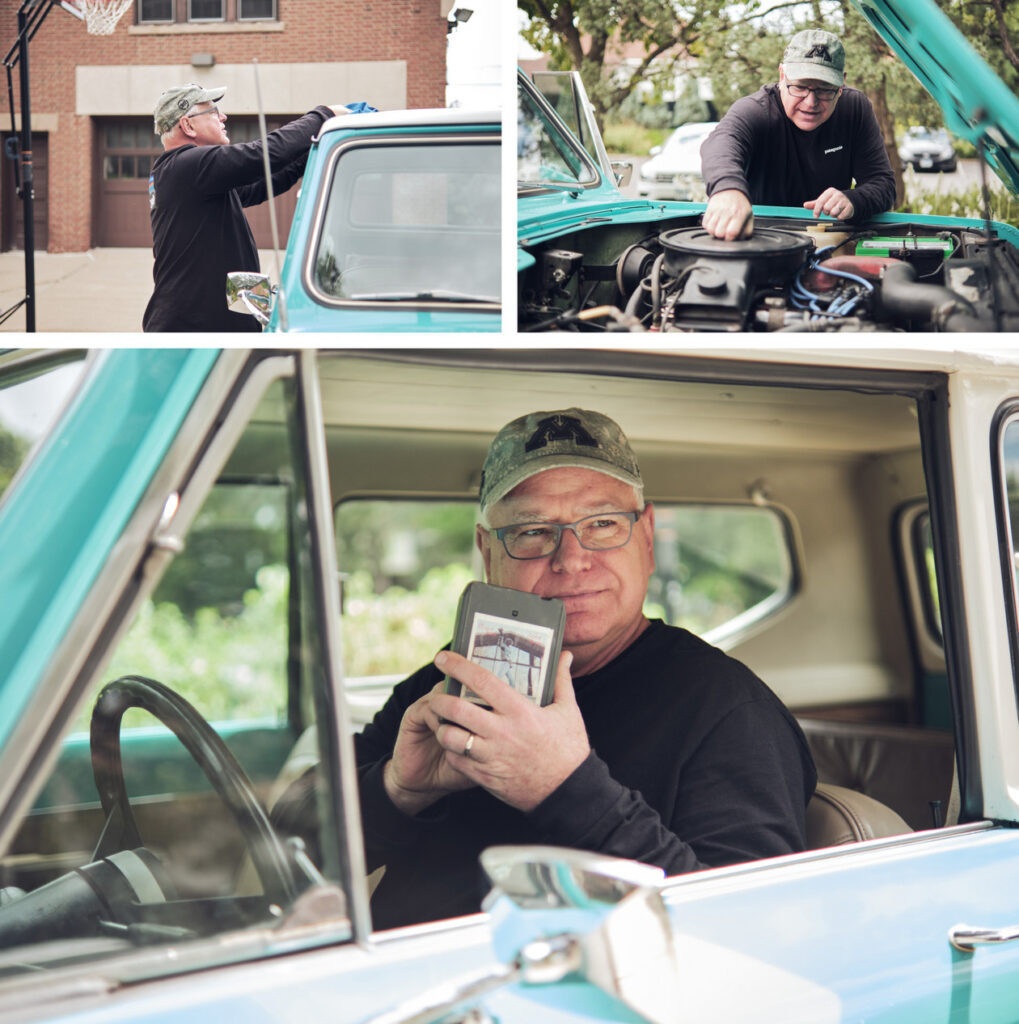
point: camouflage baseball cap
(554, 440)
(179, 101)
(815, 54)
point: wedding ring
(468, 745)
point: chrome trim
(411, 932)
(966, 937)
(318, 215)
(678, 888)
(348, 813)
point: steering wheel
(220, 767)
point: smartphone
(516, 636)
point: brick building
(92, 96)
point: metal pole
(27, 182)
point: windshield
(31, 397)
(546, 156)
(416, 220)
(685, 136)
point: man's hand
(337, 111)
(520, 752)
(833, 203)
(729, 215)
(419, 773)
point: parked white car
(674, 170)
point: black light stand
(31, 15)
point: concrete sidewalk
(102, 290)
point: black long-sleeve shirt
(199, 231)
(759, 151)
(695, 763)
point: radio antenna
(263, 133)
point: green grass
(631, 139)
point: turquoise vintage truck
(591, 260)
(215, 564)
(397, 229)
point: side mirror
(629, 953)
(623, 170)
(654, 150)
(251, 291)
(549, 877)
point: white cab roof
(425, 117)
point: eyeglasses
(198, 113)
(601, 532)
(802, 91)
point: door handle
(966, 937)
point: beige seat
(836, 815)
(906, 767)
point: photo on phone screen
(516, 652)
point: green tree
(582, 35)
(13, 449)
(992, 28)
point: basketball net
(101, 16)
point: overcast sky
(474, 55)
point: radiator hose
(904, 298)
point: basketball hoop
(101, 16)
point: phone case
(515, 635)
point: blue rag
(361, 108)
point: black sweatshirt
(695, 763)
(199, 230)
(759, 151)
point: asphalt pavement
(102, 290)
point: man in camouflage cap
(656, 746)
(198, 188)
(802, 141)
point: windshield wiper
(558, 186)
(439, 294)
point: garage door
(127, 151)
(14, 208)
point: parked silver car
(927, 149)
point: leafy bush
(631, 139)
(399, 630)
(228, 667)
(966, 203)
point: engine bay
(788, 276)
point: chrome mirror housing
(630, 953)
(252, 291)
(623, 171)
(546, 877)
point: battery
(903, 248)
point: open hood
(977, 105)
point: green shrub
(965, 203)
(631, 139)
